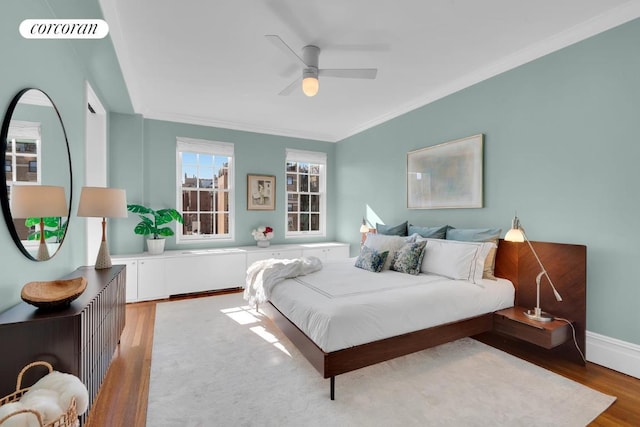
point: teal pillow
(409, 258)
(371, 260)
(473, 234)
(431, 232)
(392, 230)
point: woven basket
(68, 419)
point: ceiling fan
(311, 72)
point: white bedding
(343, 306)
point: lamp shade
(102, 202)
(514, 235)
(38, 201)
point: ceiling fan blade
(291, 88)
(355, 73)
(280, 44)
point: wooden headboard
(566, 265)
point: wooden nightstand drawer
(514, 323)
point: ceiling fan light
(310, 86)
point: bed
(342, 318)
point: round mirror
(36, 196)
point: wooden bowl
(54, 294)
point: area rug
(217, 362)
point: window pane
(314, 184)
(189, 158)
(315, 169)
(222, 223)
(190, 225)
(26, 147)
(222, 179)
(23, 174)
(304, 183)
(292, 203)
(315, 222)
(303, 167)
(304, 203)
(315, 203)
(189, 200)
(222, 201)
(304, 222)
(292, 166)
(205, 160)
(189, 174)
(292, 182)
(206, 224)
(292, 222)
(206, 201)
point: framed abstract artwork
(261, 192)
(447, 175)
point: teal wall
(145, 165)
(60, 68)
(562, 146)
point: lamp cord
(575, 340)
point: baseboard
(614, 354)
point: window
(306, 198)
(205, 190)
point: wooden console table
(79, 340)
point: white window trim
(210, 147)
(317, 157)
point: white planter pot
(263, 243)
(155, 246)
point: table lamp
(39, 201)
(517, 234)
(100, 202)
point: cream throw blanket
(263, 275)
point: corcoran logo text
(64, 29)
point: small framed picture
(261, 192)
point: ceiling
(207, 61)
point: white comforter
(342, 306)
(263, 275)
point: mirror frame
(4, 197)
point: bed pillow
(382, 242)
(371, 260)
(480, 235)
(455, 259)
(392, 230)
(409, 258)
(433, 232)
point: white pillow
(455, 259)
(384, 242)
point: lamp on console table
(517, 234)
(103, 203)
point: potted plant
(152, 225)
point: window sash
(211, 212)
(306, 193)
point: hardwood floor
(122, 400)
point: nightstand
(512, 322)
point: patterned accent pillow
(371, 260)
(409, 258)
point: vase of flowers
(262, 236)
